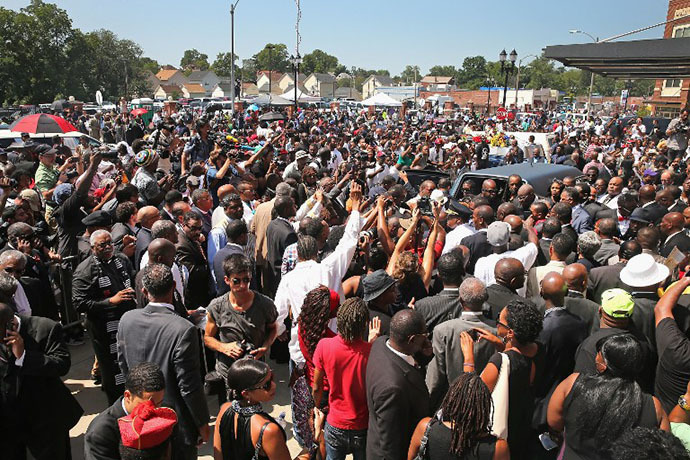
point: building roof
(275, 75)
(436, 80)
(199, 75)
(324, 77)
(636, 59)
(344, 91)
(384, 80)
(194, 88)
(225, 86)
(166, 74)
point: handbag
(499, 414)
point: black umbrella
(60, 105)
(272, 116)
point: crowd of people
(418, 319)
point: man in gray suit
(607, 230)
(581, 220)
(448, 359)
(156, 334)
(607, 277)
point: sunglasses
(503, 324)
(237, 281)
(105, 244)
(266, 386)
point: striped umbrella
(42, 123)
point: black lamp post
(296, 61)
(489, 83)
(507, 69)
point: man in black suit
(607, 277)
(446, 304)
(627, 202)
(279, 235)
(649, 200)
(146, 217)
(479, 246)
(237, 234)
(156, 334)
(672, 228)
(448, 358)
(549, 229)
(510, 276)
(575, 302)
(396, 393)
(190, 255)
(672, 201)
(37, 410)
(564, 213)
(202, 205)
(145, 382)
(561, 335)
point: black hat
(640, 215)
(44, 149)
(376, 284)
(98, 219)
(455, 208)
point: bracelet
(467, 364)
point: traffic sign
(501, 113)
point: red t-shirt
(345, 365)
(308, 359)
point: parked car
(70, 139)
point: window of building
(674, 83)
(681, 31)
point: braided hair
(353, 319)
(467, 406)
(314, 317)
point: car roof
(538, 175)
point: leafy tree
(541, 73)
(149, 64)
(473, 73)
(318, 61)
(248, 70)
(443, 71)
(221, 66)
(272, 57)
(411, 74)
(194, 59)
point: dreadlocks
(314, 317)
(467, 406)
(353, 319)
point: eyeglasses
(237, 281)
(503, 324)
(103, 245)
(266, 386)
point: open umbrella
(60, 105)
(252, 108)
(137, 112)
(42, 123)
(272, 116)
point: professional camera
(424, 206)
(683, 128)
(365, 235)
(247, 348)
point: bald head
(575, 276)
(515, 223)
(226, 189)
(525, 190)
(553, 289)
(647, 193)
(147, 216)
(161, 251)
(505, 209)
(483, 215)
(674, 221)
(510, 272)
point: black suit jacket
(191, 255)
(397, 398)
(570, 231)
(102, 438)
(656, 212)
(44, 407)
(279, 235)
(479, 247)
(678, 206)
(499, 296)
(119, 231)
(606, 213)
(679, 240)
(205, 220)
(583, 308)
(594, 208)
(439, 308)
(603, 278)
(543, 256)
(143, 240)
(156, 334)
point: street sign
(99, 98)
(501, 113)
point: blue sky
(371, 34)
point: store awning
(631, 60)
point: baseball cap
(617, 303)
(376, 284)
(498, 233)
(31, 196)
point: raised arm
(429, 254)
(403, 241)
(664, 308)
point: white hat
(438, 196)
(301, 154)
(643, 271)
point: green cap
(617, 303)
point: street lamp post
(489, 82)
(507, 69)
(232, 56)
(591, 79)
(517, 77)
(270, 67)
(296, 61)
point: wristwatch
(683, 403)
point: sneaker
(96, 377)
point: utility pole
(232, 56)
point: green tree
(443, 71)
(194, 59)
(411, 74)
(272, 57)
(221, 66)
(541, 73)
(473, 73)
(149, 64)
(318, 61)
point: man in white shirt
(498, 235)
(378, 172)
(459, 221)
(295, 168)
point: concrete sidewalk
(93, 400)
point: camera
(247, 348)
(110, 155)
(424, 206)
(683, 129)
(365, 235)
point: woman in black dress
(244, 430)
(595, 410)
(465, 430)
(518, 327)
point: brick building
(670, 95)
